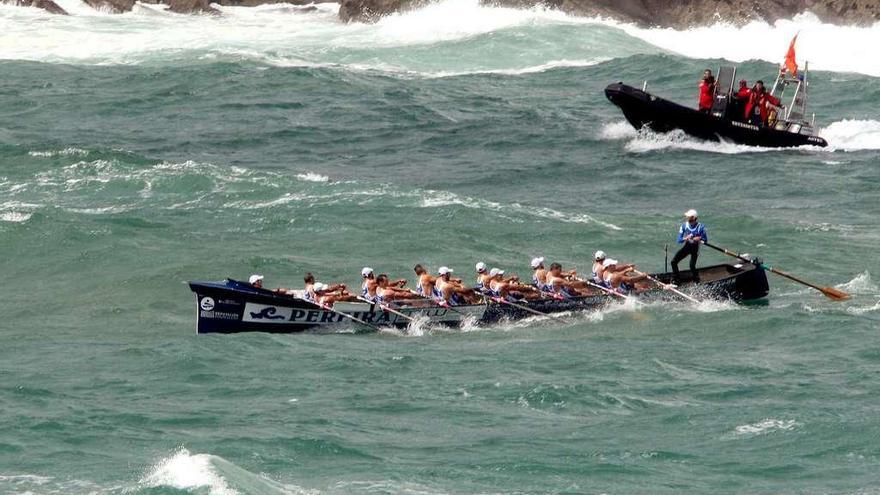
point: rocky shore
(663, 13)
(179, 6)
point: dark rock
(47, 5)
(191, 7)
(372, 10)
(254, 3)
(664, 13)
(114, 6)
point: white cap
(495, 271)
(318, 286)
(481, 267)
(608, 262)
(600, 255)
(536, 262)
(444, 270)
(690, 213)
(366, 271)
(254, 279)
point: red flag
(790, 61)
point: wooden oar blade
(835, 294)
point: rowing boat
(231, 306)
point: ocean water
(142, 150)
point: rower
(368, 289)
(450, 290)
(561, 282)
(317, 292)
(425, 281)
(539, 274)
(483, 277)
(505, 287)
(598, 269)
(256, 281)
(691, 234)
(617, 276)
(386, 292)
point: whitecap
(852, 135)
(184, 471)
(312, 177)
(766, 426)
(14, 216)
(63, 152)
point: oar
(388, 309)
(604, 289)
(346, 315)
(667, 287)
(830, 292)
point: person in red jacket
(743, 92)
(707, 91)
(737, 107)
(758, 106)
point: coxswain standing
(691, 234)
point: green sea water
(128, 167)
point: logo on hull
(267, 314)
(207, 304)
(263, 313)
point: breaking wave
(210, 474)
(450, 37)
(852, 135)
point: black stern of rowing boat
(737, 282)
(642, 109)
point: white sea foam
(860, 310)
(826, 46)
(648, 141)
(852, 135)
(312, 177)
(860, 284)
(433, 199)
(63, 152)
(766, 426)
(614, 131)
(184, 471)
(14, 216)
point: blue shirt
(696, 230)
